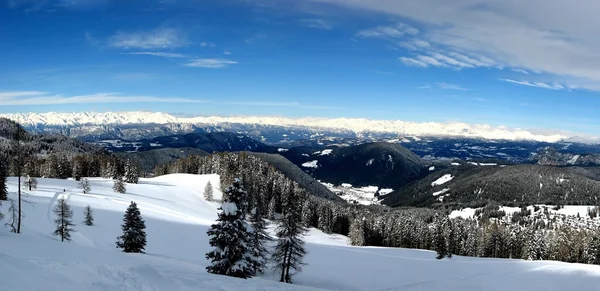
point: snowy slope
(177, 218)
(354, 124)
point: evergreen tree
(439, 239)
(258, 240)
(84, 184)
(3, 174)
(89, 216)
(31, 183)
(132, 174)
(208, 192)
(290, 250)
(133, 239)
(64, 224)
(231, 255)
(594, 251)
(119, 185)
(357, 232)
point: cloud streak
(316, 23)
(32, 98)
(552, 86)
(161, 38)
(159, 54)
(448, 86)
(210, 63)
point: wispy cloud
(448, 86)
(389, 32)
(207, 44)
(424, 87)
(210, 63)
(552, 86)
(316, 23)
(413, 62)
(157, 39)
(159, 54)
(30, 98)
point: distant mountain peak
(358, 125)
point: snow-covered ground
(358, 195)
(177, 218)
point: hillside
(470, 184)
(381, 164)
(177, 219)
(148, 160)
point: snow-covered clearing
(442, 180)
(177, 218)
(311, 164)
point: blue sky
(473, 61)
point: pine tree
(84, 184)
(594, 251)
(439, 239)
(3, 174)
(357, 232)
(64, 224)
(290, 250)
(257, 242)
(132, 174)
(208, 192)
(133, 239)
(31, 183)
(119, 185)
(231, 255)
(89, 216)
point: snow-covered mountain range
(357, 125)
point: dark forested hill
(148, 160)
(380, 164)
(509, 185)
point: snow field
(177, 218)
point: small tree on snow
(257, 241)
(208, 192)
(290, 250)
(14, 218)
(229, 236)
(84, 184)
(64, 224)
(132, 174)
(119, 185)
(89, 216)
(133, 239)
(31, 183)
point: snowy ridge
(353, 124)
(177, 218)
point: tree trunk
(285, 255)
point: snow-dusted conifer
(208, 192)
(119, 185)
(594, 251)
(31, 183)
(89, 216)
(3, 174)
(132, 174)
(63, 220)
(357, 232)
(258, 240)
(229, 237)
(439, 239)
(290, 250)
(84, 184)
(133, 239)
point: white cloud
(430, 61)
(13, 94)
(210, 63)
(448, 86)
(159, 54)
(389, 32)
(559, 39)
(227, 53)
(157, 39)
(207, 44)
(413, 62)
(553, 86)
(316, 23)
(39, 98)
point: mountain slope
(177, 218)
(385, 165)
(470, 184)
(355, 125)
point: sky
(524, 64)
